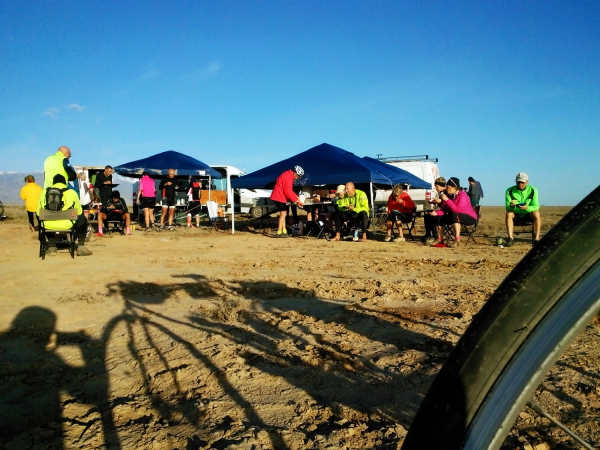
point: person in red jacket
(283, 192)
(400, 208)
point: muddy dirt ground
(200, 339)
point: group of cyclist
(451, 206)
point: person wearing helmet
(283, 192)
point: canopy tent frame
(159, 164)
(326, 164)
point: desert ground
(202, 339)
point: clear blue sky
(489, 87)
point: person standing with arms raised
(283, 192)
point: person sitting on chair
(430, 217)
(455, 209)
(68, 200)
(400, 208)
(522, 202)
(354, 208)
(115, 209)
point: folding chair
(407, 225)
(115, 223)
(320, 227)
(213, 213)
(351, 229)
(465, 230)
(380, 217)
(58, 238)
(469, 231)
(523, 224)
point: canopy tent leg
(233, 214)
(372, 202)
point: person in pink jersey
(146, 198)
(455, 209)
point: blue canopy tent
(396, 174)
(160, 163)
(324, 164)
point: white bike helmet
(299, 170)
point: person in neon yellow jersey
(70, 200)
(352, 207)
(58, 164)
(30, 193)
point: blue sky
(490, 88)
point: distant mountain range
(12, 182)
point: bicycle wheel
(515, 338)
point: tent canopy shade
(323, 164)
(160, 163)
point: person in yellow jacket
(30, 194)
(58, 164)
(352, 207)
(70, 200)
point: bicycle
(523, 328)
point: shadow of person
(32, 377)
(30, 380)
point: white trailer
(252, 201)
(421, 166)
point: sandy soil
(200, 339)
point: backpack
(54, 200)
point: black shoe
(509, 242)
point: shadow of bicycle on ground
(251, 363)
